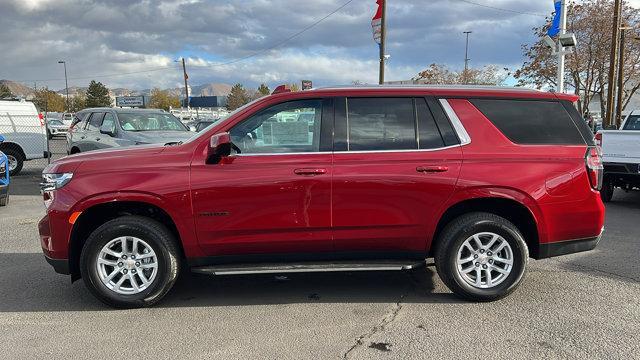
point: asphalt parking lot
(579, 306)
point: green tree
(5, 92)
(97, 95)
(238, 97)
(263, 90)
(162, 99)
(77, 102)
(48, 100)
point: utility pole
(383, 38)
(621, 76)
(563, 30)
(613, 60)
(66, 82)
(186, 85)
(466, 57)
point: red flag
(376, 22)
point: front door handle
(97, 139)
(432, 169)
(310, 171)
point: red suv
(335, 179)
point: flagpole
(383, 35)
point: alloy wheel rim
(13, 162)
(127, 265)
(484, 260)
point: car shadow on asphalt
(29, 285)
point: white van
(24, 132)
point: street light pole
(613, 59)
(466, 56)
(563, 30)
(66, 82)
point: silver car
(56, 128)
(101, 128)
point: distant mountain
(18, 89)
(212, 89)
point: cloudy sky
(233, 40)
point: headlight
(52, 182)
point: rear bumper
(567, 247)
(61, 266)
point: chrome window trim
(463, 135)
(355, 152)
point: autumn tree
(77, 102)
(49, 101)
(97, 95)
(263, 90)
(440, 74)
(163, 99)
(587, 66)
(238, 97)
(5, 92)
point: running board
(307, 267)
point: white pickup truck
(621, 156)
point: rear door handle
(97, 139)
(310, 171)
(432, 169)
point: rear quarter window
(531, 122)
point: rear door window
(531, 122)
(381, 124)
(95, 121)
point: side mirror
(108, 130)
(220, 146)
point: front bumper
(567, 247)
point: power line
(501, 9)
(280, 43)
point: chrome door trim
(455, 121)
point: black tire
(153, 233)
(457, 232)
(608, 188)
(13, 152)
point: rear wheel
(481, 257)
(606, 193)
(130, 262)
(16, 160)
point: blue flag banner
(555, 24)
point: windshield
(150, 122)
(632, 123)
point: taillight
(41, 119)
(599, 139)
(593, 160)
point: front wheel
(481, 257)
(130, 262)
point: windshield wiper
(174, 143)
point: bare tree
(587, 66)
